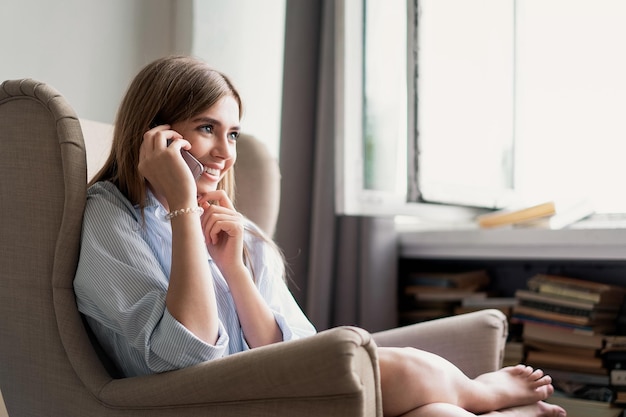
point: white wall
(85, 49)
(89, 50)
(245, 40)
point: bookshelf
(512, 257)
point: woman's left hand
(223, 230)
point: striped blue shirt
(122, 279)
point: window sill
(585, 242)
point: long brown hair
(168, 90)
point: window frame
(351, 198)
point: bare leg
(411, 378)
(538, 409)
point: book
(579, 289)
(563, 335)
(559, 348)
(568, 303)
(563, 217)
(563, 309)
(545, 359)
(510, 216)
(546, 215)
(596, 328)
(561, 317)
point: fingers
(217, 197)
(164, 167)
(163, 136)
(220, 217)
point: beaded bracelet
(188, 210)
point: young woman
(171, 275)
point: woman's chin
(205, 186)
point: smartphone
(194, 165)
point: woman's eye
(207, 128)
(233, 135)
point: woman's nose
(223, 148)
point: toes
(537, 374)
(521, 369)
(544, 380)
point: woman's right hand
(165, 169)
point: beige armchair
(48, 365)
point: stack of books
(427, 296)
(565, 323)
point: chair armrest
(474, 342)
(332, 373)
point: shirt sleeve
(121, 284)
(268, 270)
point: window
(449, 105)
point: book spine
(563, 291)
(548, 315)
(546, 306)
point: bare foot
(509, 387)
(539, 409)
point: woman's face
(213, 135)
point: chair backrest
(257, 174)
(48, 365)
(47, 362)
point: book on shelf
(560, 348)
(429, 295)
(559, 302)
(597, 328)
(556, 316)
(563, 309)
(599, 293)
(546, 215)
(547, 359)
(563, 335)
